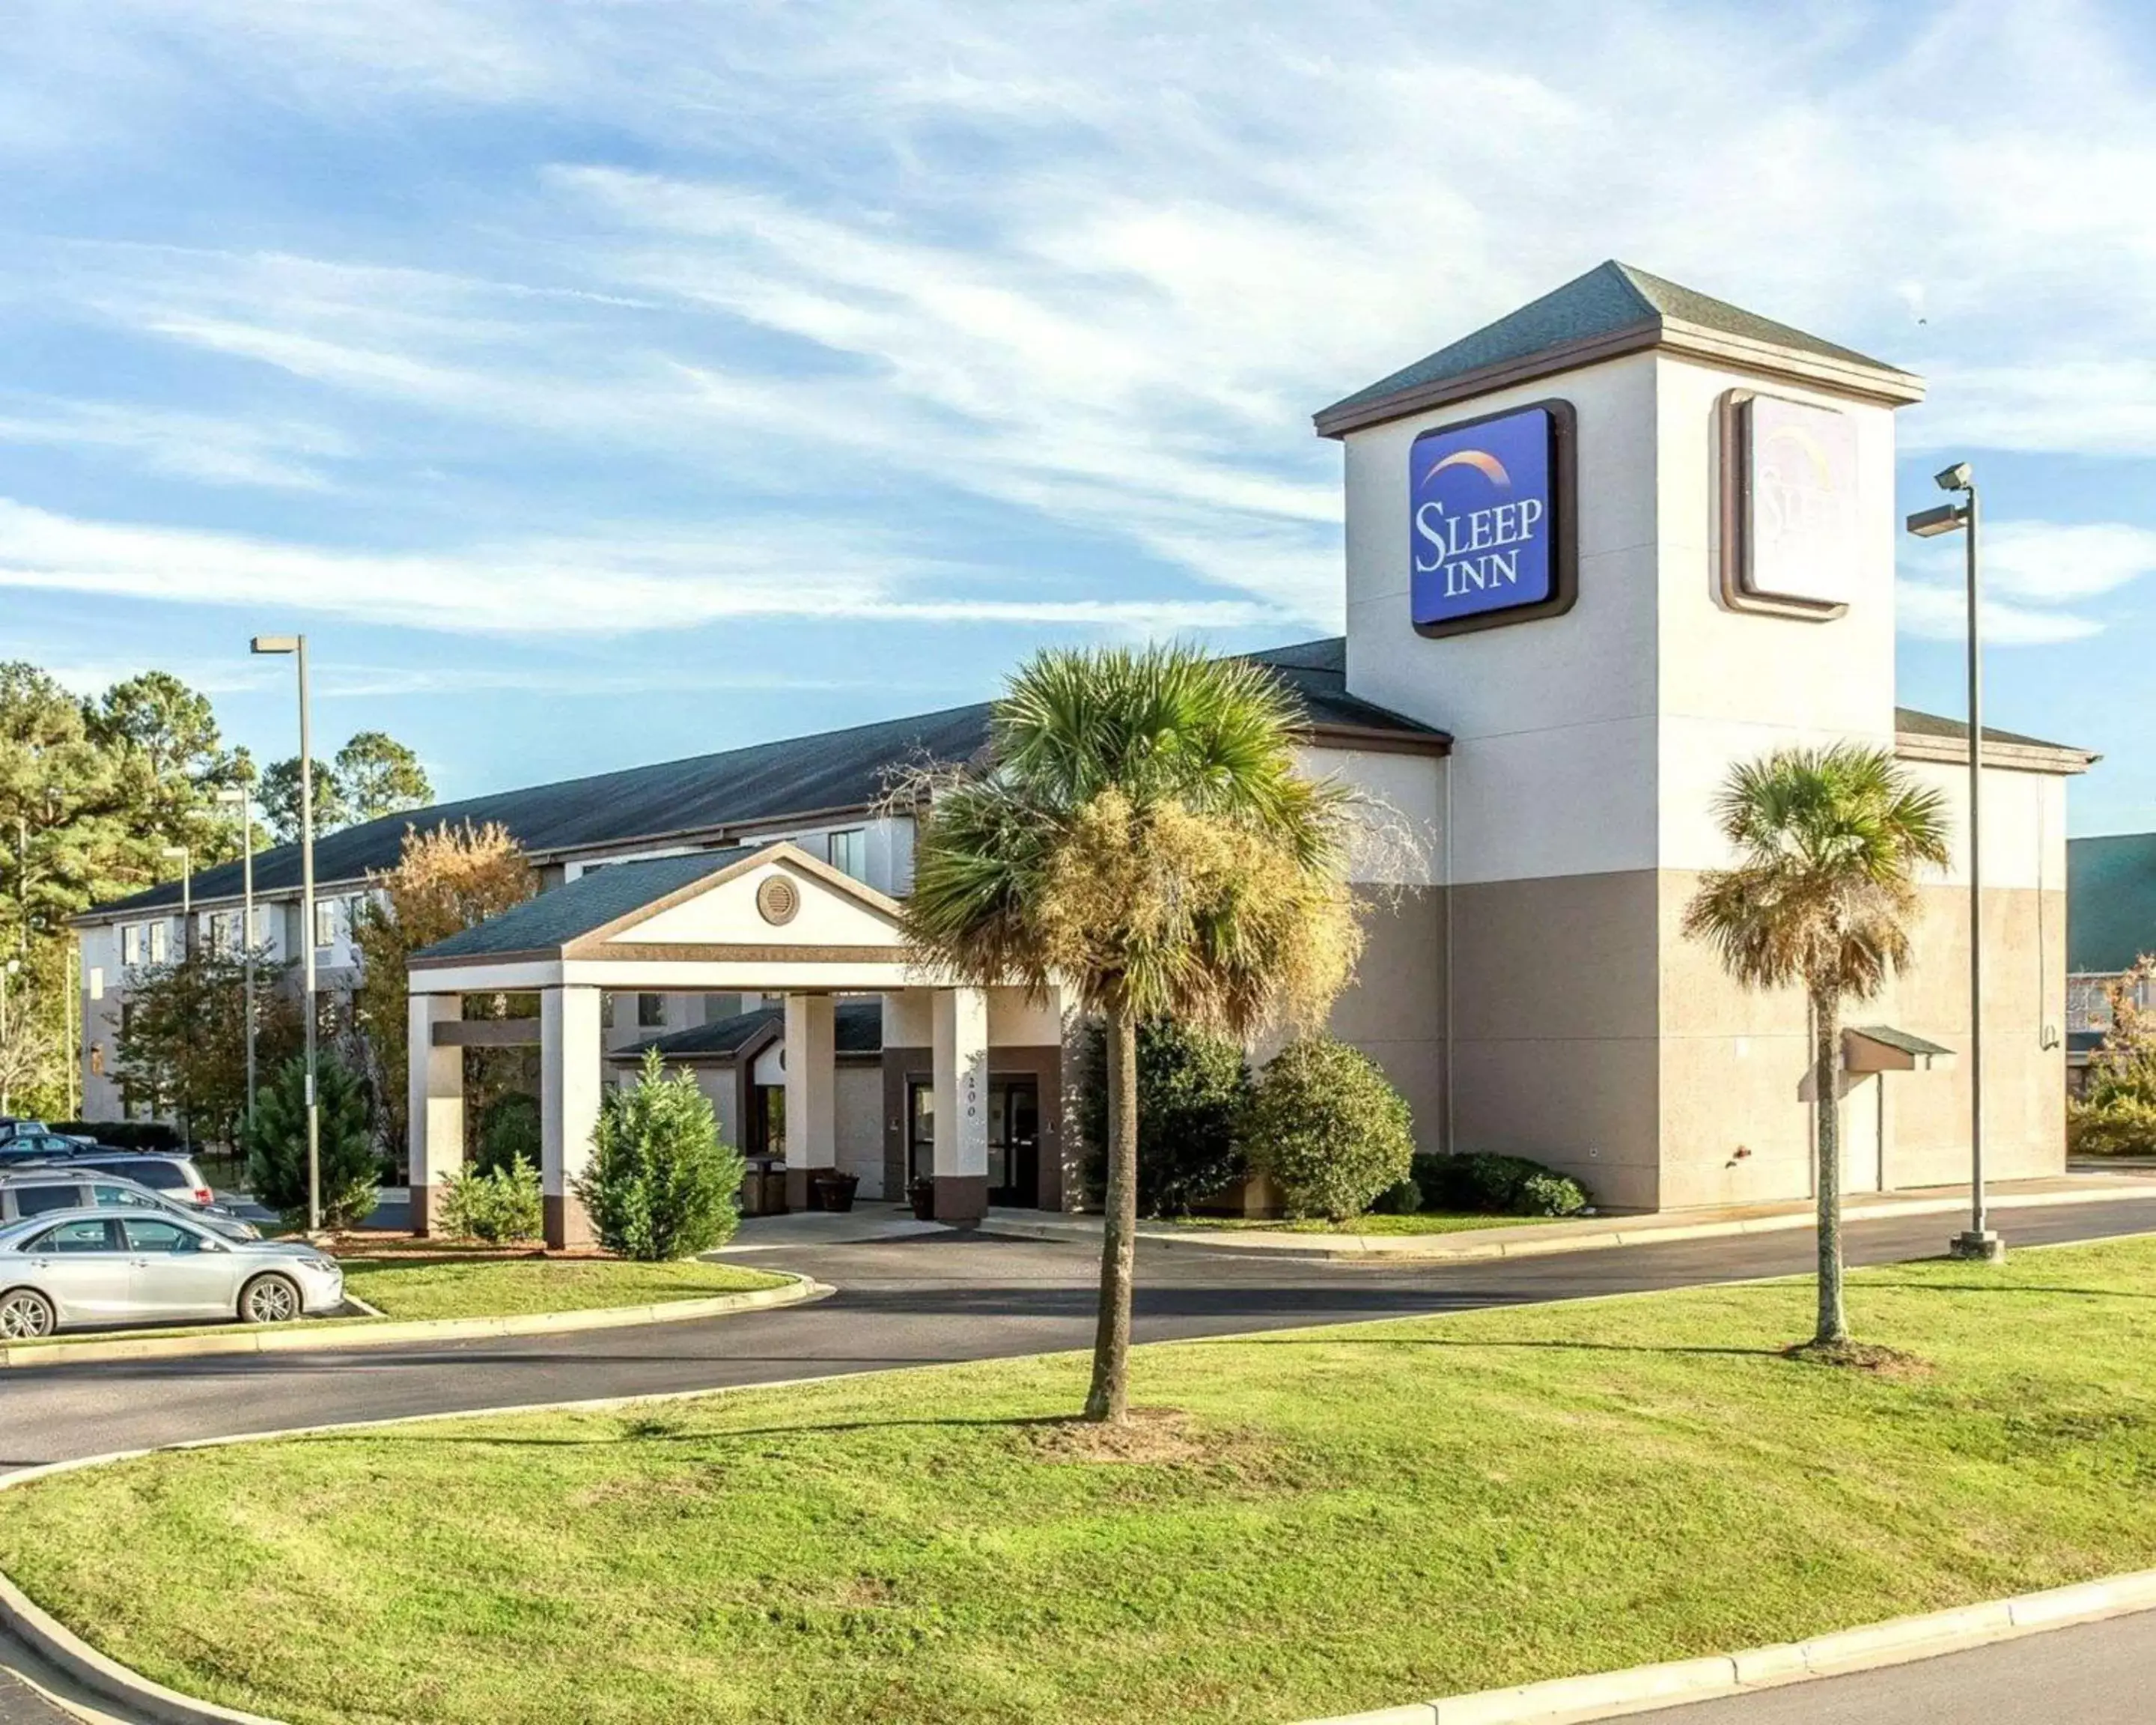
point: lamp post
(296, 645)
(230, 796)
(1979, 1241)
(10, 968)
(187, 951)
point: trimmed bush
(1482, 1183)
(494, 1204)
(661, 1185)
(2118, 1124)
(1191, 1087)
(1325, 1123)
(277, 1147)
(1404, 1199)
(152, 1137)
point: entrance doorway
(1013, 1137)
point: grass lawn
(1423, 1222)
(431, 1281)
(1329, 1519)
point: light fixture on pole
(1980, 1241)
(231, 796)
(296, 645)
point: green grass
(508, 1288)
(427, 1284)
(1338, 1519)
(1423, 1222)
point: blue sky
(597, 383)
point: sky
(598, 382)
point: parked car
(90, 1268)
(29, 1145)
(174, 1176)
(41, 1187)
(11, 1124)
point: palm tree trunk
(1826, 1084)
(1109, 1398)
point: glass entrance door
(1014, 1142)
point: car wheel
(268, 1300)
(25, 1315)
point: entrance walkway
(799, 1229)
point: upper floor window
(326, 921)
(650, 1011)
(850, 852)
(161, 940)
(131, 942)
(224, 932)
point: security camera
(1956, 478)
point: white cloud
(2041, 579)
(542, 587)
(1930, 611)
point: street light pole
(187, 953)
(296, 645)
(1979, 1241)
(6, 970)
(238, 794)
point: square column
(811, 1092)
(961, 1067)
(434, 1104)
(569, 1044)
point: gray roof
(857, 1029)
(765, 783)
(592, 900)
(1910, 722)
(2111, 902)
(1908, 1041)
(1612, 298)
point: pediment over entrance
(779, 896)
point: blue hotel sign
(1490, 526)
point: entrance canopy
(772, 919)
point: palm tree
(1137, 835)
(1828, 842)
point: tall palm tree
(1138, 835)
(1828, 843)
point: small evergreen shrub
(1191, 1087)
(494, 1204)
(2118, 1124)
(661, 1183)
(1481, 1183)
(1325, 1123)
(1402, 1200)
(277, 1146)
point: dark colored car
(32, 1143)
(49, 1186)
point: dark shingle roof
(856, 1029)
(2111, 902)
(590, 901)
(1611, 300)
(766, 782)
(1912, 723)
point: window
(848, 852)
(224, 931)
(149, 1234)
(606, 1012)
(326, 921)
(161, 940)
(87, 1236)
(94, 985)
(36, 1200)
(651, 1012)
(122, 1195)
(131, 942)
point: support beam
(434, 1100)
(569, 1079)
(812, 1092)
(961, 1063)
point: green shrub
(1325, 1123)
(1482, 1183)
(1402, 1198)
(277, 1145)
(508, 1132)
(494, 1204)
(1191, 1086)
(2117, 1124)
(152, 1137)
(661, 1185)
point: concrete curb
(1474, 1245)
(1902, 1640)
(302, 1339)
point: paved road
(904, 1302)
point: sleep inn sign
(1489, 513)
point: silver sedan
(109, 1265)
